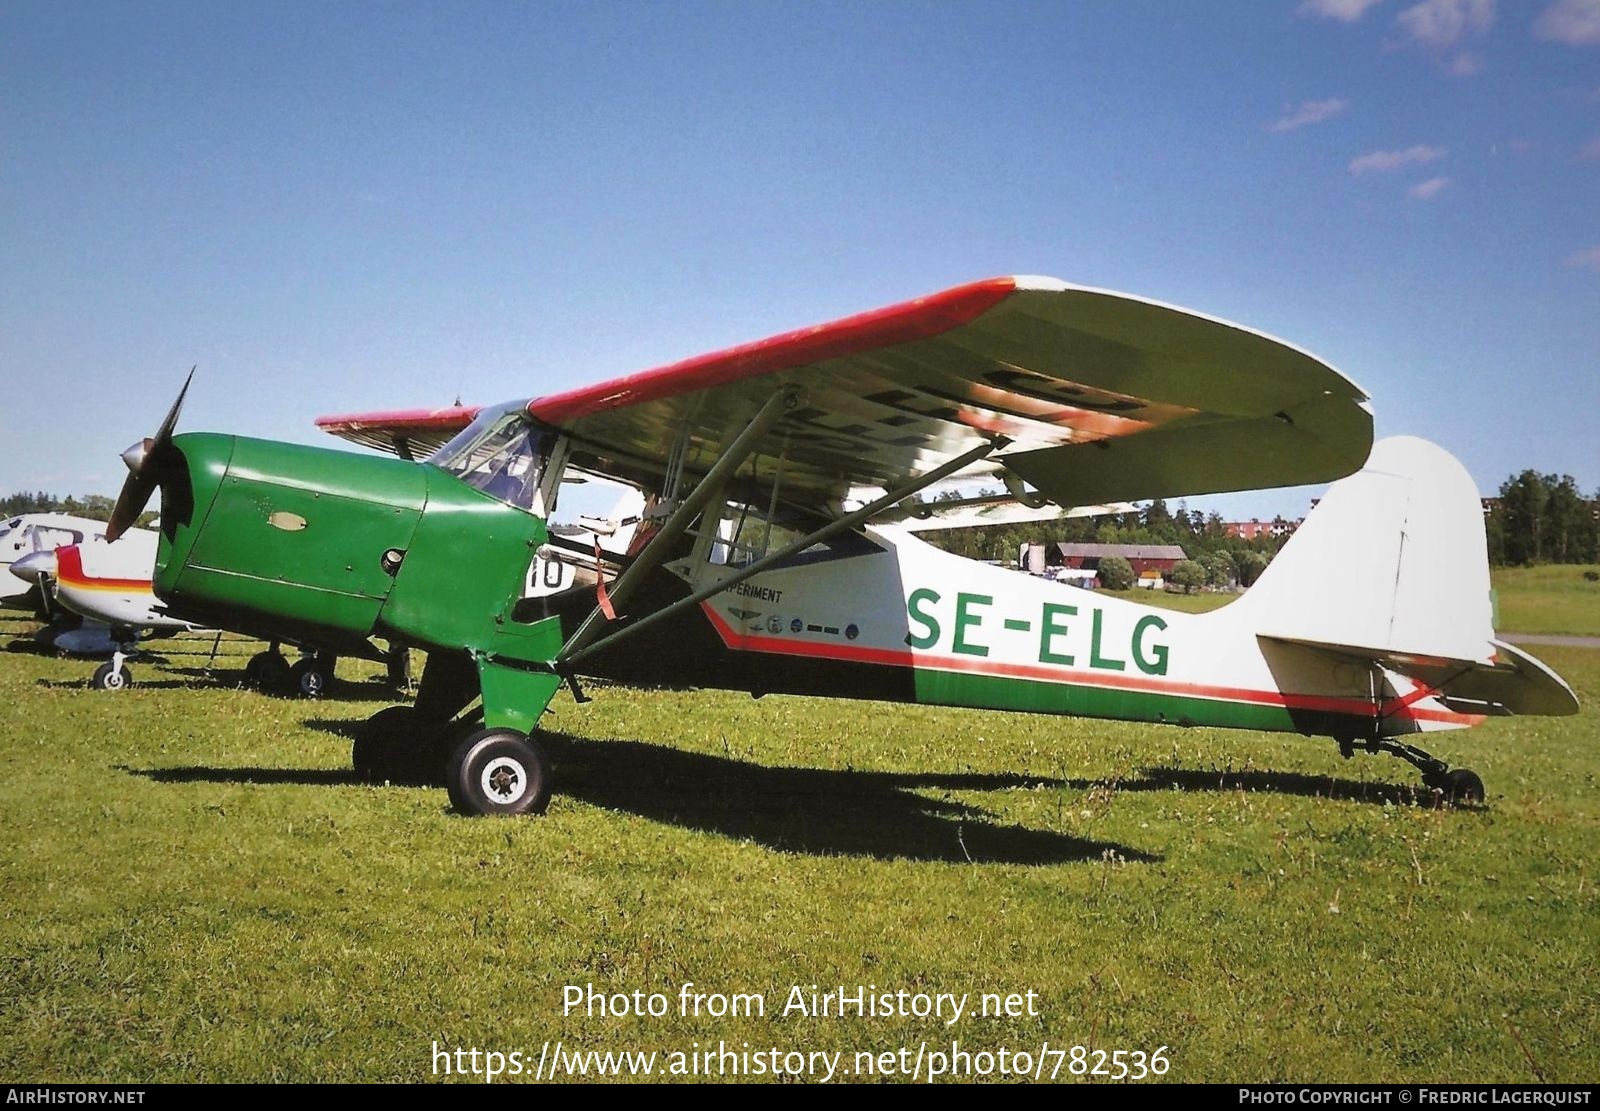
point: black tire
(269, 673)
(1462, 785)
(311, 677)
(498, 771)
(395, 746)
(108, 678)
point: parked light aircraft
(111, 589)
(28, 533)
(109, 586)
(746, 569)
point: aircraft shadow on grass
(1282, 783)
(826, 812)
(339, 690)
(793, 810)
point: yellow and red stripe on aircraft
(996, 684)
(70, 573)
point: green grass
(192, 888)
(1554, 598)
(1185, 603)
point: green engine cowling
(309, 544)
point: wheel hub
(504, 780)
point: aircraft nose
(35, 567)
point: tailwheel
(397, 745)
(1461, 785)
(113, 675)
(499, 771)
(1454, 785)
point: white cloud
(1345, 11)
(1311, 111)
(1383, 161)
(1429, 189)
(1441, 24)
(1574, 22)
(1587, 259)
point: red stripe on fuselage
(1357, 707)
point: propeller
(145, 460)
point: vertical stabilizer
(1392, 561)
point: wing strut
(574, 653)
(661, 543)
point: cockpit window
(501, 454)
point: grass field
(193, 888)
(1185, 603)
(1550, 599)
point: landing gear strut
(1456, 785)
(113, 675)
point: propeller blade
(145, 474)
(164, 436)
(135, 495)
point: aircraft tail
(1391, 567)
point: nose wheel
(113, 675)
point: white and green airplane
(762, 553)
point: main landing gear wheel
(269, 673)
(499, 771)
(311, 677)
(111, 676)
(396, 745)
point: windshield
(500, 453)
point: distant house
(1150, 562)
(1254, 529)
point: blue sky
(335, 207)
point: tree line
(96, 507)
(1542, 518)
(1219, 558)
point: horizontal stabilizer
(1512, 683)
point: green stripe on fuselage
(999, 692)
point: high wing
(409, 433)
(1087, 395)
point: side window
(750, 532)
(49, 539)
(586, 510)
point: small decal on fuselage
(751, 590)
